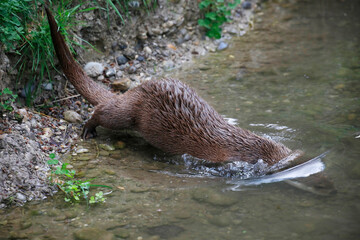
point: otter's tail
(89, 89)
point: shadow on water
(295, 78)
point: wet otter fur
(168, 114)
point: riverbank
(141, 50)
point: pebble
(246, 5)
(214, 198)
(110, 72)
(140, 58)
(121, 233)
(147, 50)
(168, 65)
(122, 85)
(72, 116)
(222, 46)
(93, 234)
(21, 197)
(47, 86)
(94, 69)
(121, 60)
(132, 69)
(119, 145)
(106, 147)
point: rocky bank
(143, 48)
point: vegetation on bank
(25, 32)
(74, 189)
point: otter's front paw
(88, 133)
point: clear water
(294, 78)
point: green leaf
(204, 23)
(52, 155)
(204, 4)
(52, 162)
(7, 91)
(211, 15)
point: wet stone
(106, 147)
(213, 198)
(139, 189)
(104, 153)
(121, 233)
(93, 234)
(165, 231)
(109, 172)
(221, 220)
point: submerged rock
(93, 234)
(213, 198)
(165, 231)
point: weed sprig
(74, 189)
(216, 13)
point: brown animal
(168, 114)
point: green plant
(6, 98)
(74, 189)
(216, 13)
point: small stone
(93, 69)
(100, 78)
(82, 150)
(122, 45)
(114, 45)
(106, 147)
(139, 189)
(246, 5)
(168, 65)
(121, 60)
(147, 50)
(122, 85)
(104, 153)
(119, 74)
(214, 198)
(109, 172)
(21, 197)
(93, 234)
(221, 220)
(140, 58)
(122, 233)
(132, 69)
(110, 72)
(72, 116)
(47, 86)
(222, 46)
(119, 145)
(187, 37)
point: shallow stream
(294, 78)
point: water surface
(296, 79)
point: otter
(168, 114)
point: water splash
(305, 169)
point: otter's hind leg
(89, 130)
